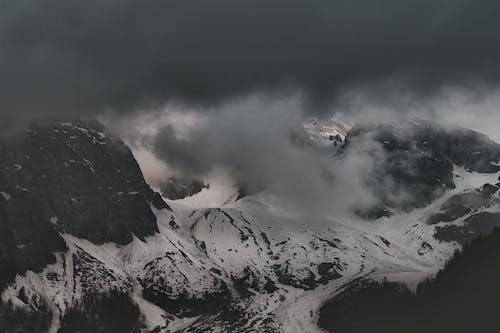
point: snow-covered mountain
(79, 224)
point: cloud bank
(212, 61)
(82, 58)
(259, 141)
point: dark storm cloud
(64, 56)
(191, 155)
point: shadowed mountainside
(464, 297)
(68, 178)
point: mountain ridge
(243, 266)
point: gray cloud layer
(262, 143)
(69, 56)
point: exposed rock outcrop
(68, 178)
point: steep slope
(70, 178)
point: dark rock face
(415, 161)
(424, 248)
(489, 189)
(94, 275)
(305, 278)
(479, 224)
(72, 178)
(26, 241)
(184, 305)
(336, 139)
(328, 272)
(234, 318)
(460, 205)
(246, 284)
(159, 203)
(470, 208)
(176, 188)
(167, 280)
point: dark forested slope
(464, 297)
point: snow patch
(468, 180)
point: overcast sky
(84, 57)
(244, 73)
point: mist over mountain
(248, 166)
(85, 239)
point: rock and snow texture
(327, 132)
(270, 269)
(214, 263)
